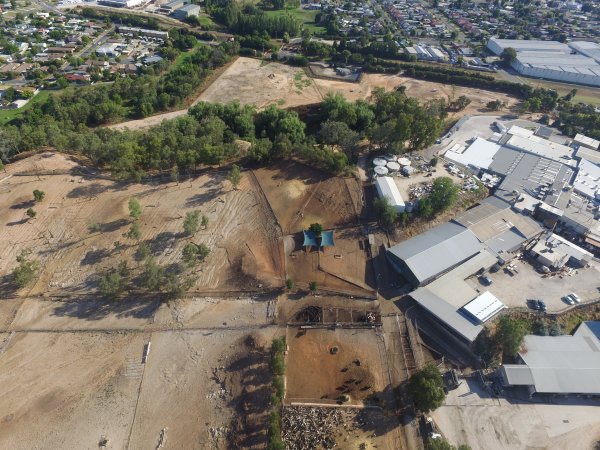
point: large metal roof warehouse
(558, 364)
(424, 257)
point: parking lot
(471, 416)
(514, 290)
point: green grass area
(206, 22)
(306, 17)
(10, 114)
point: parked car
(485, 280)
(533, 304)
(568, 300)
(575, 297)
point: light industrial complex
(542, 184)
(576, 62)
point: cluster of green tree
(256, 41)
(579, 118)
(248, 19)
(207, 135)
(443, 195)
(278, 370)
(27, 269)
(130, 20)
(442, 444)
(426, 388)
(534, 100)
(61, 120)
(506, 340)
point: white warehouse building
(552, 60)
(386, 187)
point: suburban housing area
(300, 225)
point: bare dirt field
(472, 417)
(252, 81)
(343, 268)
(80, 225)
(316, 374)
(300, 195)
(255, 82)
(206, 383)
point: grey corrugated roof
(565, 364)
(517, 375)
(437, 250)
(507, 241)
(446, 313)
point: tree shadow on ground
(162, 241)
(203, 198)
(24, 205)
(7, 285)
(96, 309)
(95, 256)
(17, 222)
(252, 374)
(109, 227)
(88, 190)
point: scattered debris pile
(307, 428)
(310, 314)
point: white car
(569, 300)
(575, 297)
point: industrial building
(186, 11)
(425, 257)
(552, 60)
(386, 187)
(554, 252)
(121, 3)
(581, 140)
(558, 364)
(134, 31)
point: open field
(79, 228)
(304, 16)
(254, 82)
(300, 195)
(470, 416)
(316, 374)
(206, 384)
(9, 114)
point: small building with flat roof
(386, 187)
(581, 140)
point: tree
(143, 251)
(444, 194)
(111, 284)
(31, 213)
(38, 195)
(135, 209)
(426, 388)
(424, 208)
(508, 55)
(494, 105)
(510, 334)
(312, 286)
(193, 253)
(289, 284)
(386, 214)
(26, 270)
(191, 222)
(235, 176)
(134, 232)
(441, 444)
(153, 275)
(433, 162)
(316, 228)
(204, 221)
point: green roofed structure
(327, 239)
